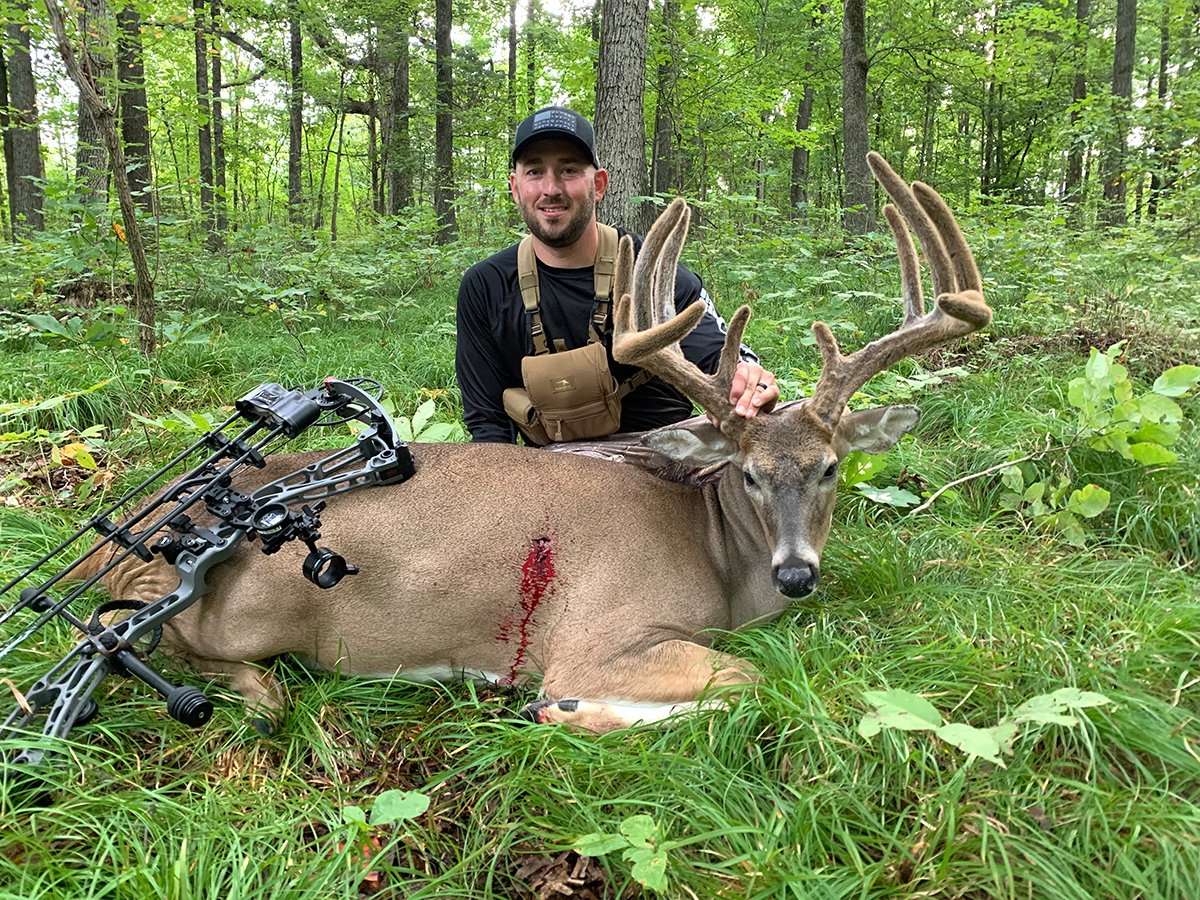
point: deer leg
(260, 690)
(643, 686)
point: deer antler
(647, 331)
(960, 307)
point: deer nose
(795, 578)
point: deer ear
(694, 441)
(877, 430)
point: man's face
(556, 188)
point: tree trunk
(7, 138)
(25, 191)
(798, 195)
(105, 119)
(135, 116)
(218, 132)
(337, 175)
(1160, 153)
(859, 216)
(620, 128)
(1113, 211)
(400, 164)
(204, 118)
(443, 188)
(1073, 188)
(531, 21)
(91, 159)
(512, 72)
(664, 172)
(295, 116)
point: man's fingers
(753, 388)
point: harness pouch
(522, 411)
(573, 393)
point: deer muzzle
(795, 578)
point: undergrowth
(965, 603)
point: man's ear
(512, 187)
(601, 182)
(695, 441)
(876, 430)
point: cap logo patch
(553, 118)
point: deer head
(789, 458)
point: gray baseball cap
(556, 121)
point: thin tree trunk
(512, 71)
(443, 190)
(798, 195)
(218, 132)
(337, 175)
(204, 117)
(9, 173)
(400, 156)
(1113, 211)
(91, 159)
(104, 117)
(319, 214)
(135, 115)
(295, 116)
(1073, 189)
(620, 128)
(531, 22)
(859, 217)
(664, 172)
(1164, 56)
(25, 193)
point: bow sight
(267, 416)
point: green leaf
(1089, 501)
(1157, 408)
(858, 466)
(900, 709)
(1149, 454)
(1077, 392)
(354, 814)
(1165, 434)
(598, 844)
(975, 741)
(85, 459)
(1074, 698)
(1176, 381)
(870, 725)
(640, 830)
(1072, 531)
(892, 496)
(437, 432)
(1005, 735)
(1098, 366)
(396, 805)
(1012, 479)
(649, 868)
(422, 416)
(404, 428)
(49, 324)
(1035, 492)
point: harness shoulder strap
(528, 280)
(603, 272)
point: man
(556, 182)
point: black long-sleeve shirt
(493, 336)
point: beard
(564, 233)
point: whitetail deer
(504, 562)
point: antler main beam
(647, 331)
(959, 310)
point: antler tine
(959, 310)
(644, 336)
(918, 220)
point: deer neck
(745, 555)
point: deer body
(503, 562)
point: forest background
(203, 197)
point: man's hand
(753, 390)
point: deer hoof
(537, 712)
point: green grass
(776, 797)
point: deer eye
(831, 471)
(749, 479)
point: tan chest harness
(569, 395)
